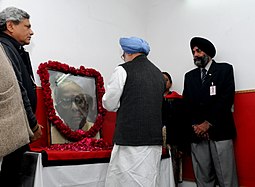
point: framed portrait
(73, 97)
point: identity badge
(212, 89)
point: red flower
(79, 136)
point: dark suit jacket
(22, 66)
(216, 109)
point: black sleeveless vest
(139, 116)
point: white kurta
(114, 89)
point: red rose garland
(64, 129)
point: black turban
(204, 45)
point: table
(87, 175)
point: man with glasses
(72, 106)
(135, 92)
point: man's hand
(37, 132)
(201, 130)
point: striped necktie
(203, 72)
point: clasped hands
(201, 130)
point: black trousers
(12, 169)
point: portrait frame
(64, 129)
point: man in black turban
(202, 44)
(209, 95)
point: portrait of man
(74, 99)
(71, 104)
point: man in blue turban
(135, 92)
(134, 45)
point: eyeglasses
(78, 100)
(123, 56)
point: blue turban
(134, 45)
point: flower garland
(64, 129)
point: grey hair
(12, 14)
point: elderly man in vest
(15, 33)
(135, 92)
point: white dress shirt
(208, 65)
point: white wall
(229, 24)
(86, 32)
(81, 32)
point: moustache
(201, 61)
(197, 61)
